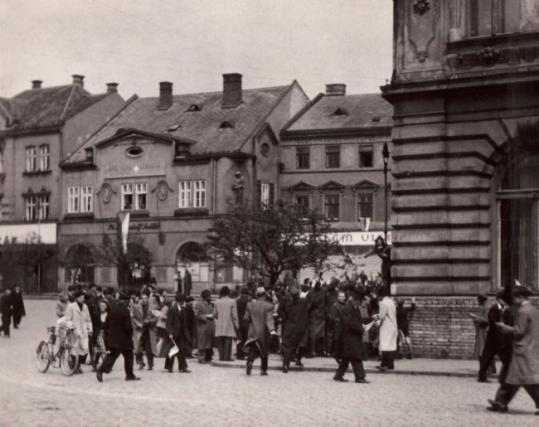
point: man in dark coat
(187, 283)
(178, 332)
(6, 308)
(332, 295)
(295, 317)
(261, 325)
(118, 340)
(17, 306)
(497, 343)
(317, 320)
(403, 324)
(241, 305)
(524, 366)
(351, 333)
(334, 319)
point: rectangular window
(184, 193)
(489, 17)
(332, 207)
(31, 159)
(43, 206)
(365, 156)
(127, 197)
(333, 156)
(303, 157)
(199, 194)
(31, 208)
(264, 194)
(365, 205)
(73, 199)
(303, 202)
(86, 199)
(44, 158)
(141, 195)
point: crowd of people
(11, 308)
(349, 319)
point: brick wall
(441, 327)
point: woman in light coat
(78, 315)
(387, 317)
(226, 323)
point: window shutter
(272, 194)
(258, 191)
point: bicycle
(45, 355)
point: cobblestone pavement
(212, 396)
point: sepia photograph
(247, 213)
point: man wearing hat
(259, 314)
(118, 340)
(524, 366)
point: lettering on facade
(134, 169)
(137, 226)
(357, 238)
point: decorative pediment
(331, 185)
(365, 185)
(339, 112)
(301, 186)
(134, 134)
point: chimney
(336, 89)
(232, 92)
(165, 96)
(36, 84)
(112, 87)
(78, 80)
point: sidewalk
(431, 367)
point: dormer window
(340, 112)
(194, 107)
(227, 124)
(180, 150)
(376, 119)
(89, 155)
(174, 128)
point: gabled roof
(368, 111)
(48, 107)
(202, 126)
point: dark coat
(6, 306)
(351, 332)
(502, 341)
(241, 304)
(295, 317)
(178, 328)
(119, 328)
(17, 303)
(187, 283)
(259, 313)
(403, 318)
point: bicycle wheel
(43, 356)
(68, 364)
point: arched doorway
(518, 210)
(193, 256)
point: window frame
(43, 156)
(372, 195)
(325, 206)
(140, 189)
(303, 208)
(303, 155)
(333, 150)
(31, 158)
(127, 190)
(193, 194)
(366, 149)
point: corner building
(171, 161)
(465, 156)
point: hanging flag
(125, 231)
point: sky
(138, 43)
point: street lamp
(385, 156)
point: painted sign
(28, 233)
(358, 238)
(134, 169)
(137, 226)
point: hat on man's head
(123, 296)
(260, 291)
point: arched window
(518, 204)
(193, 257)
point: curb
(367, 370)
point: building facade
(332, 162)
(38, 128)
(172, 162)
(464, 91)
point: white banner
(358, 238)
(28, 233)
